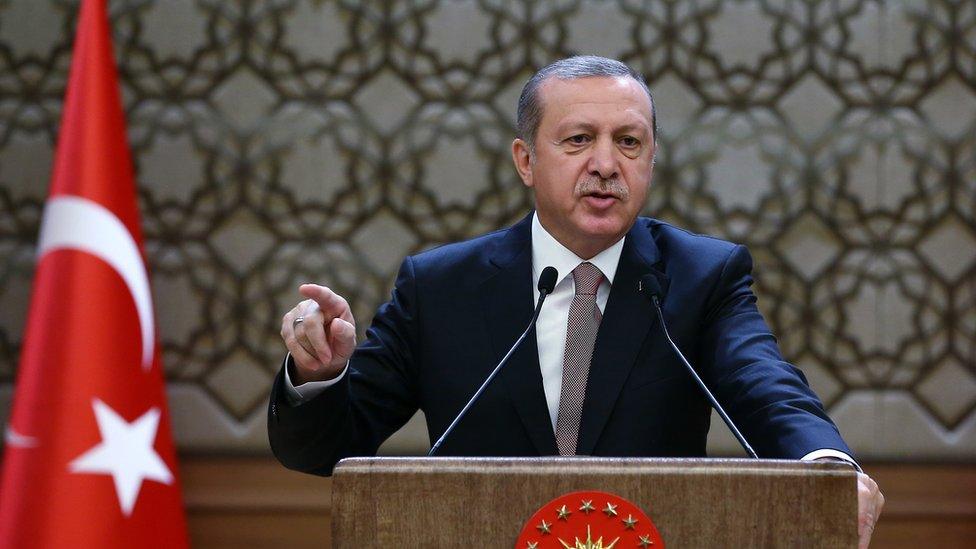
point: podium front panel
(485, 502)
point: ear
(522, 158)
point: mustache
(598, 185)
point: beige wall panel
(283, 142)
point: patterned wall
(283, 141)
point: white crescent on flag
(17, 440)
(72, 222)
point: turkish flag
(88, 458)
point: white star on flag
(126, 452)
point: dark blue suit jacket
(456, 310)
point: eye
(580, 139)
(629, 141)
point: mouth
(600, 200)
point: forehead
(602, 98)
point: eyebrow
(579, 124)
(633, 127)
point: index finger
(331, 303)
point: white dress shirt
(552, 323)
(554, 317)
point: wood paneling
(926, 505)
(254, 502)
(272, 528)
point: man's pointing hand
(320, 334)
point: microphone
(547, 282)
(651, 288)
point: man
(596, 377)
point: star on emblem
(126, 452)
(629, 522)
(587, 506)
(563, 513)
(532, 545)
(644, 541)
(610, 510)
(544, 527)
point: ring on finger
(298, 320)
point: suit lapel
(626, 321)
(508, 308)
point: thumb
(343, 338)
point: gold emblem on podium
(571, 522)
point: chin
(604, 227)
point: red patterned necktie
(584, 321)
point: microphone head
(547, 280)
(650, 286)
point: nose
(603, 160)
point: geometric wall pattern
(280, 141)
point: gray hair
(581, 66)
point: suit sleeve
(376, 397)
(768, 398)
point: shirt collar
(547, 251)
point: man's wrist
(303, 392)
(300, 377)
(832, 455)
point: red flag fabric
(88, 458)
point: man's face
(593, 160)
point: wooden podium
(485, 502)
